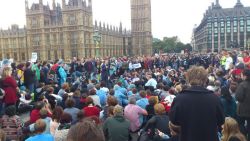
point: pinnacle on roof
(238, 4)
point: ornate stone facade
(141, 27)
(67, 30)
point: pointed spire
(217, 5)
(41, 2)
(63, 3)
(90, 3)
(54, 4)
(95, 23)
(26, 4)
(238, 4)
(120, 27)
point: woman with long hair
(231, 131)
(228, 102)
(10, 87)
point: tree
(170, 45)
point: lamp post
(97, 39)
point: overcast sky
(169, 17)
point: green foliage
(170, 45)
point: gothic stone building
(67, 30)
(223, 28)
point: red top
(10, 89)
(91, 111)
(246, 60)
(34, 115)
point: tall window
(72, 19)
(61, 38)
(15, 56)
(36, 40)
(23, 56)
(49, 57)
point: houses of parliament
(67, 30)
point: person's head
(2, 135)
(111, 92)
(118, 110)
(39, 105)
(50, 90)
(134, 90)
(80, 115)
(77, 93)
(152, 101)
(6, 72)
(86, 131)
(43, 113)
(70, 102)
(132, 100)
(159, 109)
(246, 54)
(10, 110)
(97, 86)
(197, 76)
(246, 74)
(92, 92)
(40, 126)
(57, 113)
(65, 86)
(103, 84)
(28, 64)
(89, 101)
(66, 118)
(112, 101)
(231, 128)
(143, 94)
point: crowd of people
(170, 97)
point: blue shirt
(142, 103)
(103, 97)
(41, 137)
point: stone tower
(141, 27)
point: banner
(136, 66)
(33, 57)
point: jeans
(245, 129)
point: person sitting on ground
(158, 122)
(86, 131)
(56, 117)
(40, 127)
(91, 109)
(116, 128)
(132, 112)
(63, 129)
(111, 101)
(150, 108)
(44, 116)
(11, 123)
(70, 109)
(96, 99)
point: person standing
(243, 98)
(10, 87)
(29, 77)
(196, 110)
